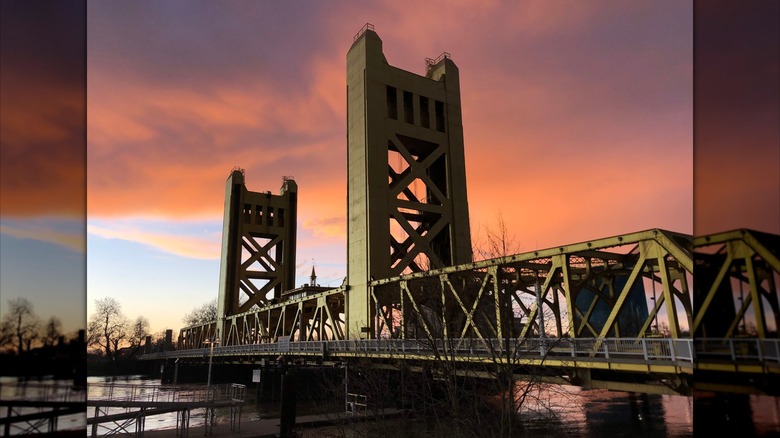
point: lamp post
(540, 315)
(210, 343)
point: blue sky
(51, 275)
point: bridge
(621, 312)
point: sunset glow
(577, 121)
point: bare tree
(138, 332)
(498, 242)
(202, 314)
(21, 323)
(51, 331)
(159, 340)
(516, 384)
(107, 327)
(6, 334)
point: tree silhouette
(20, 324)
(51, 331)
(107, 327)
(202, 314)
(138, 332)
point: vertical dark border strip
(736, 128)
(44, 44)
(736, 140)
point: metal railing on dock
(118, 407)
(36, 407)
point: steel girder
(315, 317)
(737, 273)
(418, 219)
(600, 288)
(619, 286)
(195, 336)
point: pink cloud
(185, 246)
(567, 150)
(46, 232)
(327, 227)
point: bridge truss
(737, 314)
(634, 288)
(633, 285)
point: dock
(121, 408)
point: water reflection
(572, 411)
(11, 388)
(547, 411)
(736, 414)
(569, 410)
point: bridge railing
(766, 351)
(610, 349)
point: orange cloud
(327, 227)
(557, 143)
(167, 152)
(42, 155)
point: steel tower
(407, 208)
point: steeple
(313, 278)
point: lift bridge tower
(258, 247)
(407, 209)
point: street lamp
(210, 343)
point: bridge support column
(581, 377)
(287, 411)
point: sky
(737, 117)
(578, 124)
(43, 159)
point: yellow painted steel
(319, 312)
(739, 265)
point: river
(49, 389)
(574, 412)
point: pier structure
(124, 408)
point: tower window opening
(408, 108)
(271, 216)
(439, 109)
(425, 117)
(392, 103)
(247, 213)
